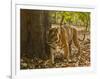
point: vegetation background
(35, 52)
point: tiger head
(54, 42)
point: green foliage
(71, 17)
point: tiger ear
(49, 43)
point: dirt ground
(83, 60)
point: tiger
(60, 39)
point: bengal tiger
(60, 39)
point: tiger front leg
(67, 53)
(52, 58)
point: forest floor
(83, 60)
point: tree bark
(34, 24)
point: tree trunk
(34, 24)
